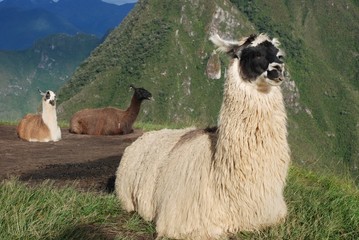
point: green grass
(147, 126)
(320, 207)
(46, 212)
(11, 123)
(63, 124)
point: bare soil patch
(89, 161)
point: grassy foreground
(320, 207)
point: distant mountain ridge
(51, 40)
(25, 21)
(46, 65)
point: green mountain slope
(321, 39)
(163, 46)
(47, 65)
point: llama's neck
(133, 110)
(251, 122)
(49, 117)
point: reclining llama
(200, 184)
(109, 120)
(41, 127)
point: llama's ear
(41, 92)
(224, 45)
(132, 87)
(232, 48)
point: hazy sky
(118, 2)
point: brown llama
(109, 120)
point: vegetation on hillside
(320, 52)
(162, 46)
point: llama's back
(101, 121)
(164, 167)
(32, 128)
(80, 120)
(140, 168)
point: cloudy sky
(118, 2)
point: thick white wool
(196, 185)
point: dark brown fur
(101, 121)
(109, 120)
(210, 131)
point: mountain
(25, 21)
(46, 65)
(163, 46)
(321, 39)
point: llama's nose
(274, 74)
(278, 67)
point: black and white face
(49, 96)
(262, 59)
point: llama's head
(260, 58)
(48, 97)
(141, 93)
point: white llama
(205, 184)
(41, 127)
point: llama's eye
(281, 57)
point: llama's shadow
(110, 186)
(98, 175)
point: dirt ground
(88, 161)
